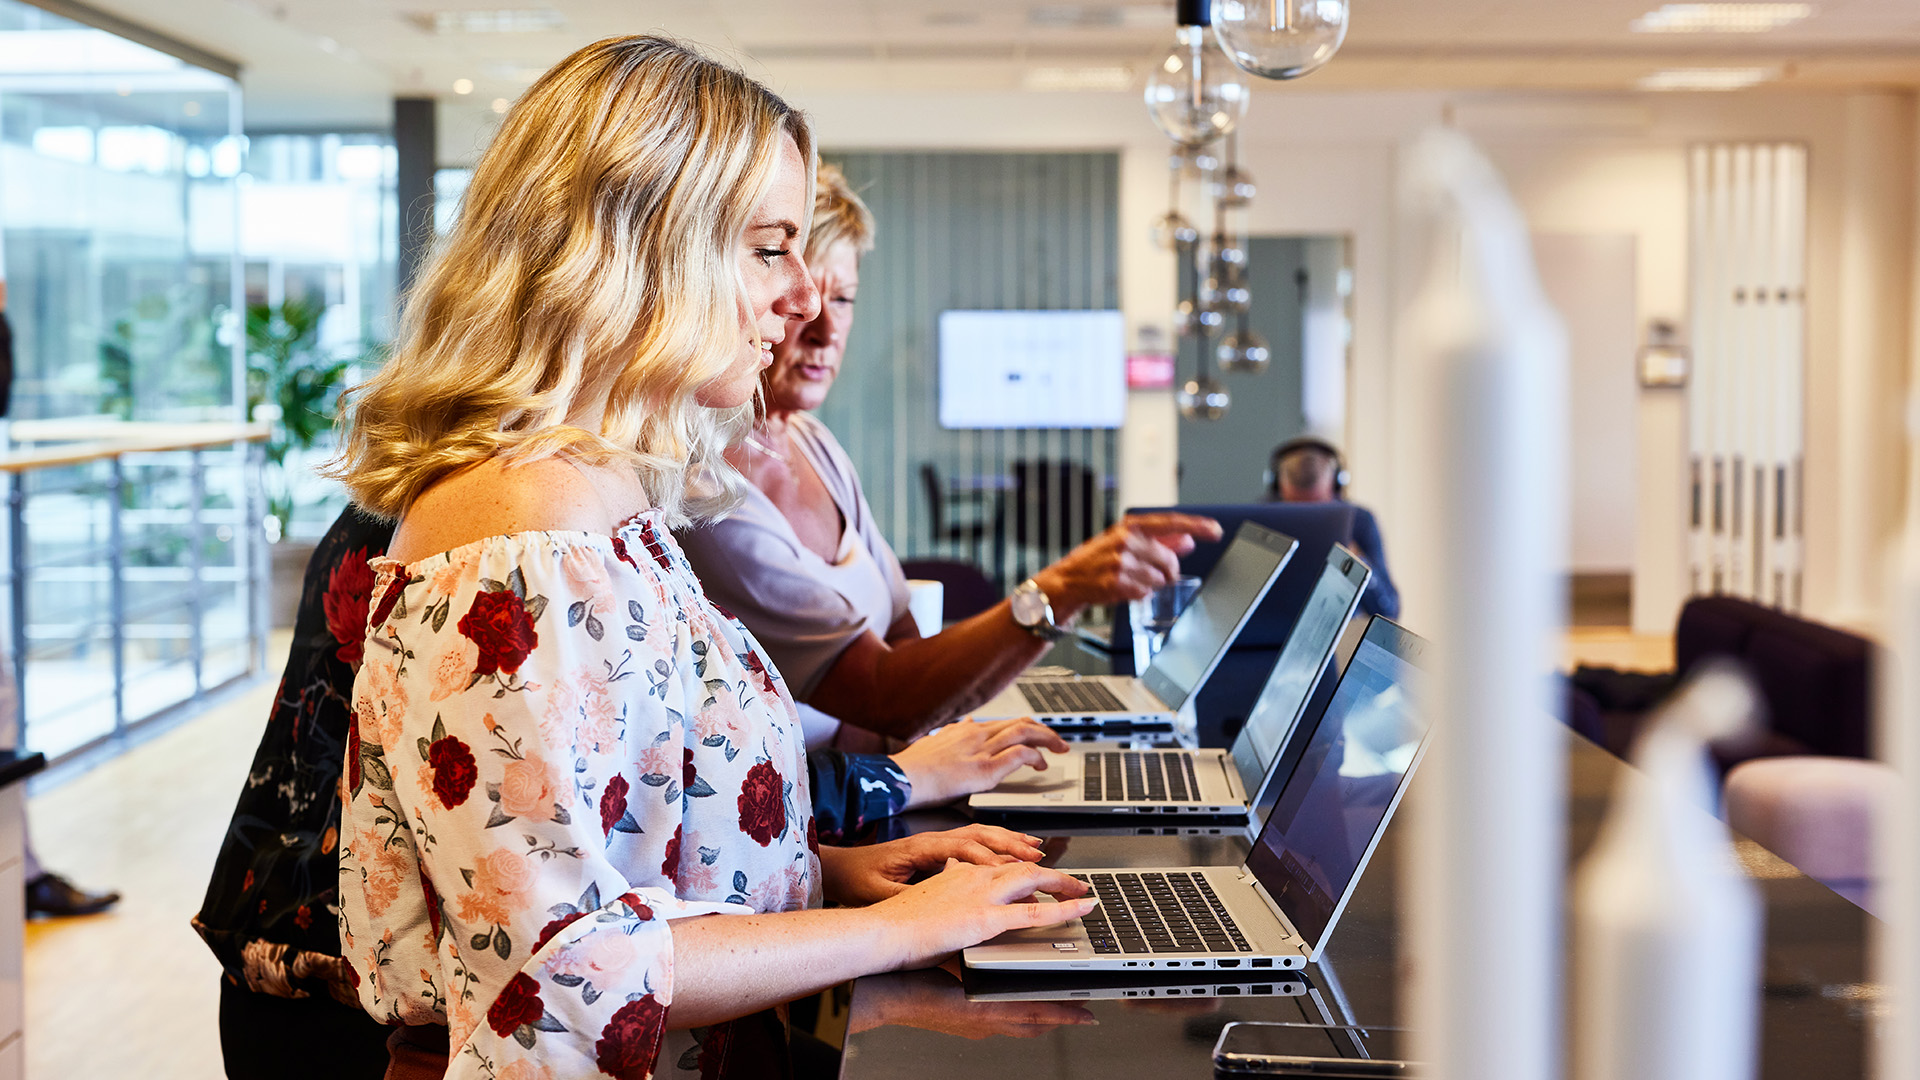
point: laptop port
(1226, 990)
(1226, 963)
(1261, 963)
(1263, 988)
(1173, 963)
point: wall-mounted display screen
(1032, 369)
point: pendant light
(1194, 94)
(1279, 39)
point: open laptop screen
(1302, 659)
(1202, 632)
(1330, 813)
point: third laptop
(1123, 704)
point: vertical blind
(1745, 413)
(974, 231)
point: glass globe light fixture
(1203, 398)
(1243, 351)
(1172, 230)
(1194, 94)
(1232, 187)
(1279, 39)
(1191, 317)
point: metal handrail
(87, 441)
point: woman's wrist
(1062, 597)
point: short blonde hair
(838, 214)
(602, 221)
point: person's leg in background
(48, 893)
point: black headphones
(1307, 442)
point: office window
(116, 166)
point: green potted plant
(287, 372)
(296, 388)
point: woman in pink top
(577, 833)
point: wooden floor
(134, 992)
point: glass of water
(1153, 615)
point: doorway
(1300, 288)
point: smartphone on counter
(1248, 1048)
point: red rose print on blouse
(638, 906)
(670, 865)
(654, 547)
(454, 771)
(630, 1042)
(613, 803)
(389, 599)
(759, 668)
(620, 552)
(548, 931)
(500, 628)
(687, 771)
(349, 594)
(519, 1003)
(763, 811)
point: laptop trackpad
(1062, 774)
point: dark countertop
(921, 1025)
(15, 766)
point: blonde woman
(577, 830)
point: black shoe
(55, 896)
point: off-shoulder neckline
(591, 538)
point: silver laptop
(1113, 780)
(1279, 907)
(1162, 698)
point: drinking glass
(1153, 615)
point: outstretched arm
(907, 684)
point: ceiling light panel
(496, 21)
(1720, 18)
(1108, 79)
(1726, 78)
(1157, 16)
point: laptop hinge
(1266, 898)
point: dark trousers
(263, 1037)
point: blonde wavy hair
(595, 254)
(838, 214)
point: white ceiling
(339, 62)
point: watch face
(1029, 606)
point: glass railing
(135, 573)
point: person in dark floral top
(288, 1006)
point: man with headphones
(1309, 469)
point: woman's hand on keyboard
(968, 756)
(966, 904)
(866, 875)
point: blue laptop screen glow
(1329, 814)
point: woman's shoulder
(502, 498)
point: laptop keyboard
(1159, 913)
(1133, 776)
(1069, 696)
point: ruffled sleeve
(558, 745)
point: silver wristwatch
(1034, 612)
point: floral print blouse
(557, 745)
